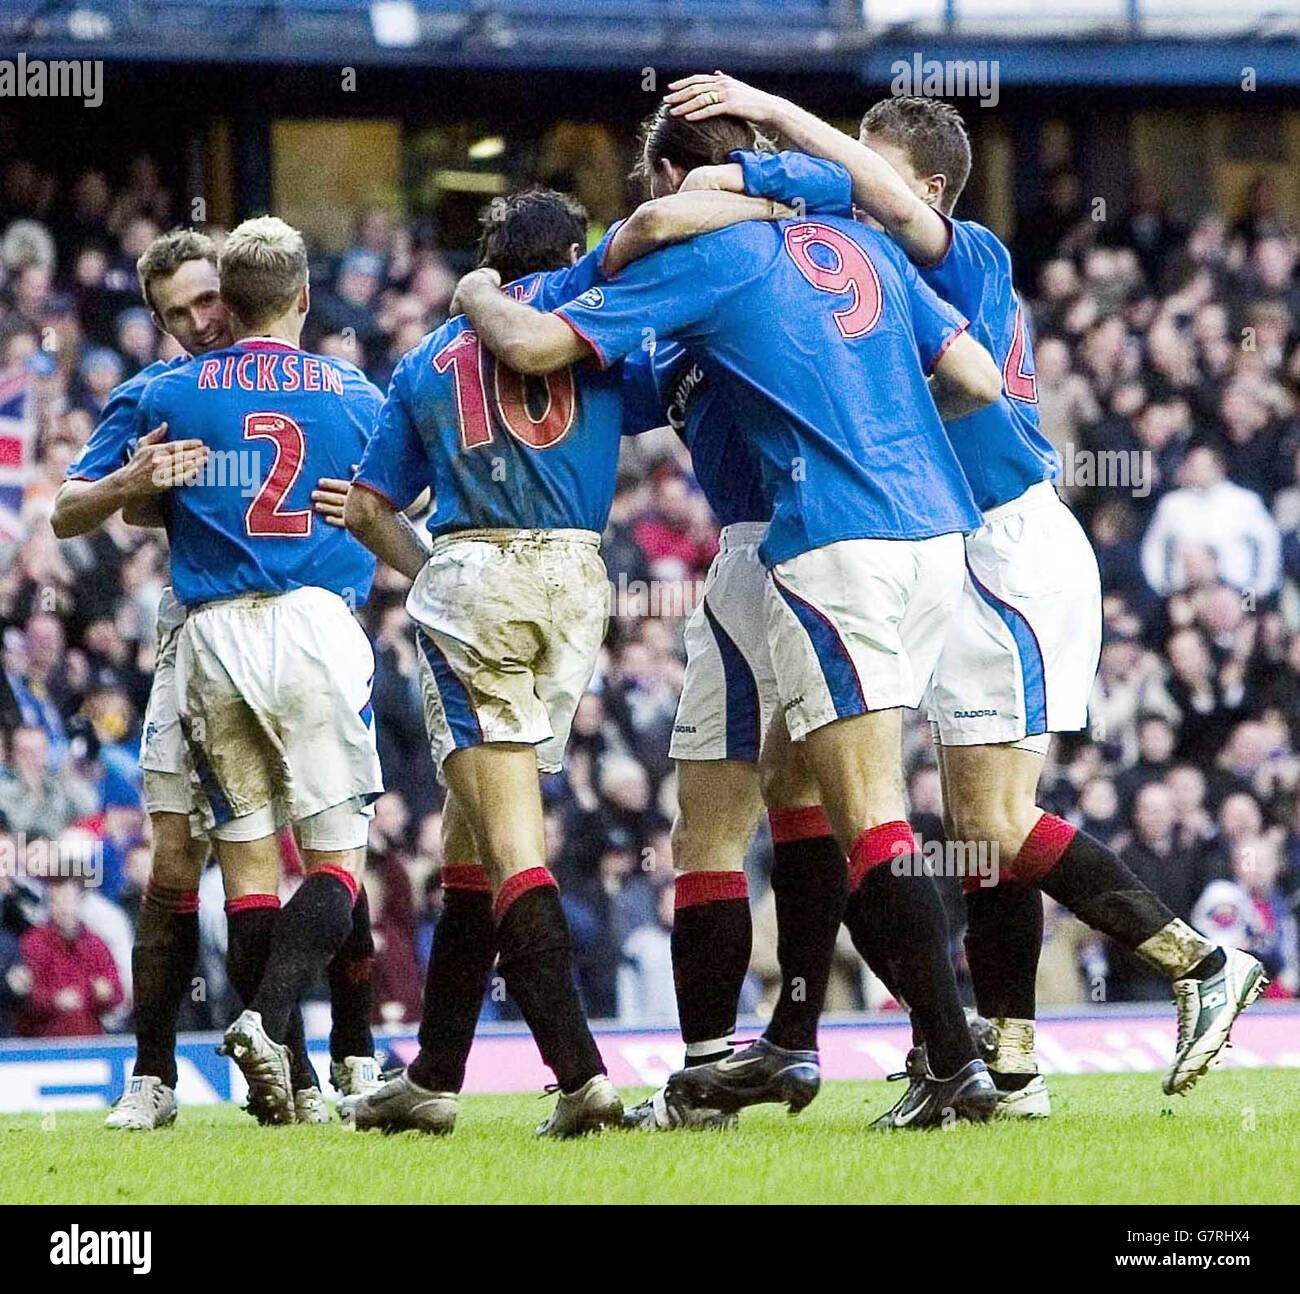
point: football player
(510, 610)
(821, 334)
(273, 672)
(178, 278)
(1020, 660)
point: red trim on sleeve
(599, 354)
(943, 350)
(694, 888)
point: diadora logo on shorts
(793, 703)
(592, 298)
(974, 714)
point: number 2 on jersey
(852, 272)
(267, 517)
(464, 356)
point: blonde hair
(263, 266)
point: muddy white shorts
(1021, 658)
(275, 700)
(729, 693)
(858, 625)
(164, 757)
(509, 624)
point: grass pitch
(1111, 1139)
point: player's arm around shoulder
(686, 214)
(528, 340)
(156, 465)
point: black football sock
(302, 1073)
(1004, 936)
(537, 966)
(809, 884)
(351, 999)
(308, 934)
(711, 941)
(249, 922)
(895, 907)
(1092, 881)
(464, 948)
(163, 955)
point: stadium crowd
(1168, 360)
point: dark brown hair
(689, 144)
(530, 231)
(167, 253)
(931, 133)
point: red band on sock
(168, 900)
(466, 876)
(878, 845)
(360, 970)
(1042, 849)
(807, 822)
(518, 885)
(693, 888)
(247, 902)
(340, 874)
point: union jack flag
(17, 449)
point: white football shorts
(164, 756)
(275, 698)
(509, 624)
(1021, 657)
(858, 625)
(729, 692)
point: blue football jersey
(820, 333)
(1001, 448)
(671, 388)
(276, 420)
(113, 441)
(500, 451)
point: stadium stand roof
(1073, 42)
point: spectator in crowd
(1155, 858)
(35, 800)
(67, 979)
(1250, 911)
(645, 974)
(1207, 511)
